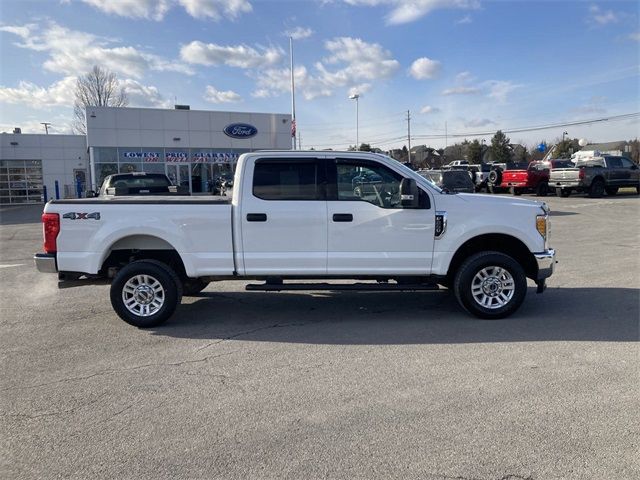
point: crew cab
(535, 178)
(595, 176)
(297, 215)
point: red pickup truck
(534, 179)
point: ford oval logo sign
(240, 130)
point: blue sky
(476, 65)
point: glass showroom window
(153, 160)
(129, 160)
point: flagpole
(293, 97)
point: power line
(534, 128)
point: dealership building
(192, 147)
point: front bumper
(46, 262)
(546, 261)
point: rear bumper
(546, 261)
(565, 184)
(46, 262)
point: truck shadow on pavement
(367, 318)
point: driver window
(369, 182)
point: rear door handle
(256, 217)
(342, 217)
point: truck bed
(199, 229)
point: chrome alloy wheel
(492, 287)
(143, 295)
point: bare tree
(98, 88)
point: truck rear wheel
(145, 293)
(597, 189)
(490, 285)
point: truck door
(615, 171)
(284, 217)
(369, 231)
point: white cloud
(62, 94)
(140, 95)
(23, 31)
(241, 56)
(149, 9)
(634, 36)
(602, 17)
(351, 63)
(499, 89)
(405, 11)
(216, 9)
(424, 68)
(58, 94)
(72, 52)
(429, 109)
(213, 95)
(461, 90)
(465, 84)
(478, 122)
(299, 33)
(359, 89)
(464, 20)
(157, 9)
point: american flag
(293, 127)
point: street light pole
(355, 97)
(563, 134)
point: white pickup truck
(296, 216)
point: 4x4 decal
(82, 216)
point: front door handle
(342, 217)
(256, 217)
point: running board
(388, 287)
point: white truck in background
(302, 215)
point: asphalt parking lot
(330, 385)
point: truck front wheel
(145, 293)
(490, 285)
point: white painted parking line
(13, 265)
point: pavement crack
(248, 332)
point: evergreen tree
(500, 147)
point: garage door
(20, 181)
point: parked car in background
(479, 174)
(456, 181)
(455, 163)
(137, 183)
(595, 176)
(535, 178)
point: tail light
(50, 230)
(581, 174)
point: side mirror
(90, 194)
(409, 193)
(634, 167)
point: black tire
(542, 190)
(171, 288)
(596, 190)
(357, 191)
(611, 191)
(495, 177)
(638, 189)
(464, 280)
(515, 191)
(193, 286)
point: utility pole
(46, 126)
(293, 95)
(299, 140)
(445, 134)
(409, 133)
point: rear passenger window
(614, 162)
(287, 180)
